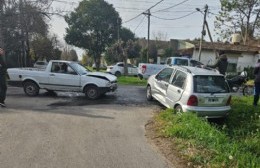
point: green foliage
(250, 73)
(93, 26)
(232, 144)
(69, 54)
(21, 21)
(126, 34)
(238, 16)
(168, 52)
(43, 48)
(128, 80)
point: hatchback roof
(198, 71)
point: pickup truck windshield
(79, 69)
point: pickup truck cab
(62, 76)
(146, 70)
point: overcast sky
(175, 19)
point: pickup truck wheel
(118, 73)
(149, 96)
(92, 92)
(31, 88)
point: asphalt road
(70, 131)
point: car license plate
(213, 100)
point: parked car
(63, 76)
(40, 64)
(145, 70)
(191, 89)
(118, 69)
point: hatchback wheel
(178, 110)
(149, 96)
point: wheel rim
(31, 90)
(92, 93)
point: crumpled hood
(110, 77)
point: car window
(165, 74)
(183, 62)
(169, 61)
(120, 65)
(130, 65)
(210, 84)
(179, 79)
(195, 63)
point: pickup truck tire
(31, 88)
(92, 92)
(149, 96)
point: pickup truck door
(162, 83)
(63, 79)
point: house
(239, 56)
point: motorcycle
(238, 84)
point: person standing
(3, 72)
(221, 64)
(257, 83)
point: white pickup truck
(145, 70)
(62, 76)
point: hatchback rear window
(210, 84)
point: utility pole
(118, 29)
(148, 13)
(203, 33)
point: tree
(20, 21)
(93, 26)
(69, 54)
(123, 50)
(126, 34)
(238, 16)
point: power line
(139, 23)
(171, 6)
(144, 11)
(175, 18)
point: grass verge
(130, 80)
(234, 143)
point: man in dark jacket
(3, 86)
(257, 83)
(221, 64)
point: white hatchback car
(118, 69)
(191, 89)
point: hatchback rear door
(212, 91)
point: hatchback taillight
(143, 68)
(193, 101)
(229, 101)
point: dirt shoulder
(164, 145)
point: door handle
(178, 91)
(52, 75)
(166, 85)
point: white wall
(247, 60)
(207, 56)
(242, 60)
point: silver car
(191, 89)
